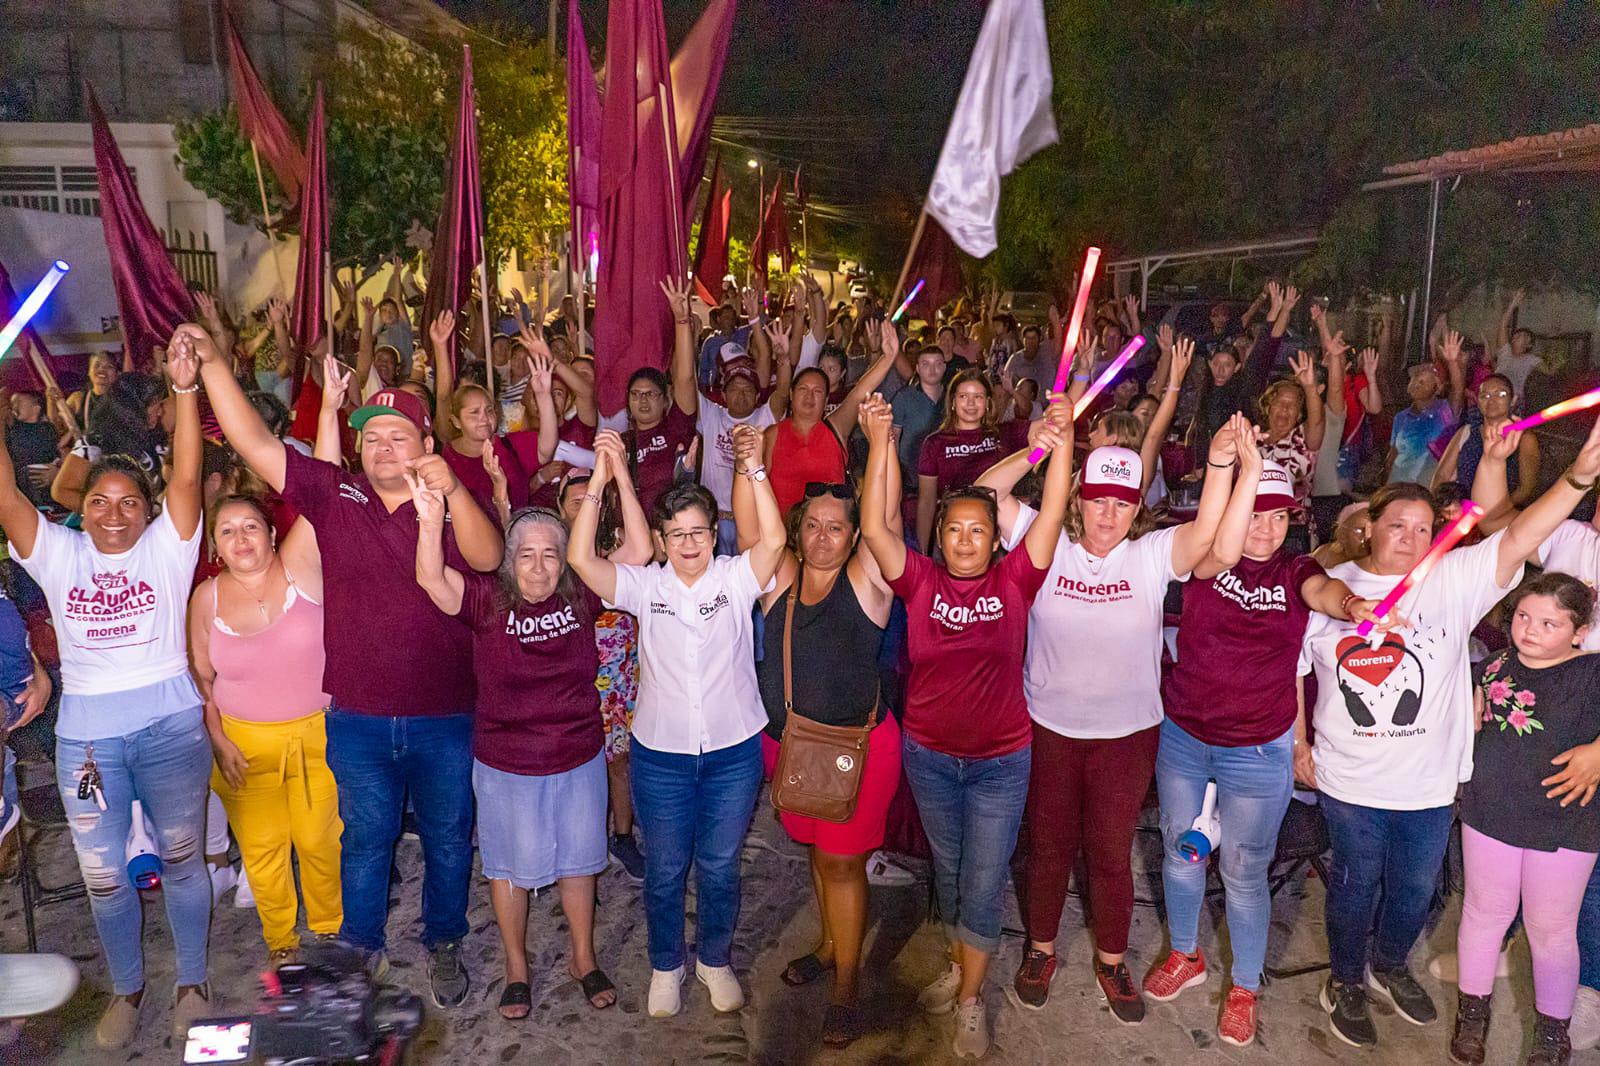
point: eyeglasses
(679, 537)
(1494, 394)
(837, 489)
(644, 394)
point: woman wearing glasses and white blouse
(696, 749)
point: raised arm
(1176, 359)
(444, 370)
(499, 490)
(444, 585)
(541, 375)
(636, 548)
(844, 418)
(595, 570)
(1043, 536)
(366, 345)
(182, 501)
(1531, 528)
(18, 517)
(329, 445)
(477, 538)
(1450, 351)
(1305, 372)
(818, 306)
(240, 422)
(1503, 337)
(1227, 547)
(685, 387)
(767, 551)
(887, 546)
(779, 344)
(1193, 539)
(1372, 395)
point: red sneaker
(1237, 1026)
(1164, 983)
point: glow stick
(1447, 539)
(1069, 344)
(1581, 402)
(30, 307)
(1106, 377)
(912, 295)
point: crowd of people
(436, 589)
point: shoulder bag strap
(788, 639)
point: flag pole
(266, 218)
(333, 283)
(905, 267)
(680, 268)
(488, 328)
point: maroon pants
(1085, 794)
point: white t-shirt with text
(716, 445)
(1574, 548)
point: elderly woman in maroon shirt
(537, 767)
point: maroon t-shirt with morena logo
(390, 650)
(538, 709)
(966, 638)
(957, 457)
(1238, 642)
(655, 454)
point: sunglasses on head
(837, 489)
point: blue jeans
(8, 784)
(376, 762)
(693, 809)
(1395, 855)
(1589, 934)
(166, 766)
(971, 810)
(1253, 788)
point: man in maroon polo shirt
(399, 670)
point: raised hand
(1164, 337)
(497, 474)
(677, 293)
(335, 383)
(1291, 296)
(429, 501)
(198, 345)
(1275, 299)
(442, 328)
(1586, 467)
(1497, 444)
(1304, 372)
(1246, 439)
(751, 305)
(207, 305)
(1049, 434)
(1450, 350)
(609, 443)
(541, 370)
(889, 338)
(1182, 356)
(1130, 304)
(1224, 449)
(778, 336)
(277, 311)
(1317, 313)
(876, 418)
(369, 310)
(1369, 362)
(434, 472)
(746, 447)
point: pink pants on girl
(1550, 886)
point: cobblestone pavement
(779, 1025)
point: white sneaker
(972, 1030)
(223, 878)
(726, 995)
(1584, 1029)
(1447, 967)
(939, 997)
(666, 993)
(886, 873)
(243, 898)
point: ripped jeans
(167, 767)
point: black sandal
(804, 970)
(595, 983)
(519, 997)
(841, 1026)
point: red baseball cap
(395, 402)
(740, 368)
(1114, 472)
(1275, 491)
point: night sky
(860, 91)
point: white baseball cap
(1114, 472)
(1275, 491)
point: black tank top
(835, 659)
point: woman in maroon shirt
(966, 444)
(1230, 712)
(537, 771)
(966, 743)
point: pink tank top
(274, 675)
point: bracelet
(1174, 388)
(1575, 483)
(1220, 466)
(1080, 377)
(590, 497)
(1344, 605)
(753, 473)
(184, 392)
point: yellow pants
(288, 800)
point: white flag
(1002, 117)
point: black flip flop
(841, 1026)
(517, 994)
(804, 970)
(594, 983)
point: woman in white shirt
(1092, 680)
(1394, 728)
(696, 751)
(131, 728)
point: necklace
(261, 605)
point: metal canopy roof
(1569, 151)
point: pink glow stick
(912, 295)
(1581, 402)
(1069, 345)
(1107, 376)
(1448, 538)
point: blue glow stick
(912, 295)
(30, 306)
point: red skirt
(864, 831)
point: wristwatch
(758, 474)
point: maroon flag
(583, 140)
(21, 373)
(775, 228)
(641, 203)
(259, 119)
(711, 257)
(309, 321)
(151, 296)
(458, 237)
(937, 261)
(760, 252)
(696, 76)
(800, 190)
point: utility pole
(551, 36)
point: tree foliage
(1189, 122)
(391, 107)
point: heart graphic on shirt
(1372, 665)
